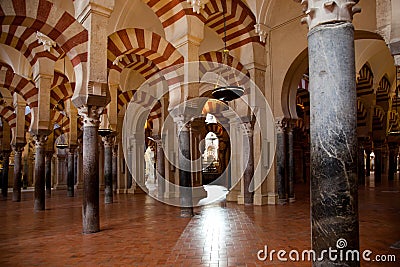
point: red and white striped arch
(136, 62)
(382, 93)
(57, 24)
(61, 92)
(58, 78)
(240, 20)
(217, 57)
(20, 85)
(145, 43)
(7, 113)
(25, 41)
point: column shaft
(4, 174)
(185, 179)
(160, 169)
(249, 164)
(280, 163)
(49, 155)
(70, 173)
(90, 208)
(333, 124)
(40, 172)
(17, 173)
(115, 167)
(290, 164)
(108, 179)
(378, 163)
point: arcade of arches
(70, 69)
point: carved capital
(18, 148)
(40, 140)
(182, 123)
(108, 140)
(197, 5)
(262, 31)
(280, 124)
(90, 115)
(322, 12)
(248, 128)
(45, 41)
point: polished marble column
(71, 172)
(40, 172)
(90, 207)
(4, 174)
(393, 152)
(333, 125)
(17, 148)
(280, 155)
(290, 162)
(368, 162)
(108, 181)
(160, 165)
(184, 161)
(248, 157)
(49, 156)
(378, 146)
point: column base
(60, 187)
(260, 200)
(232, 196)
(272, 198)
(187, 212)
(122, 191)
(240, 199)
(282, 201)
(292, 199)
(78, 186)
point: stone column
(40, 172)
(61, 183)
(115, 167)
(90, 207)
(360, 163)
(184, 162)
(18, 148)
(79, 171)
(248, 157)
(368, 162)
(4, 174)
(290, 162)
(280, 155)
(70, 172)
(378, 161)
(393, 151)
(49, 156)
(333, 125)
(76, 167)
(108, 182)
(160, 165)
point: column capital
(262, 30)
(108, 140)
(248, 128)
(90, 115)
(322, 12)
(182, 123)
(40, 140)
(280, 124)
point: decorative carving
(40, 140)
(118, 59)
(182, 123)
(262, 31)
(108, 140)
(322, 12)
(197, 4)
(248, 128)
(90, 115)
(280, 124)
(46, 41)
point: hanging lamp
(227, 92)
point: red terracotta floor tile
(139, 231)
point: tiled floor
(138, 231)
